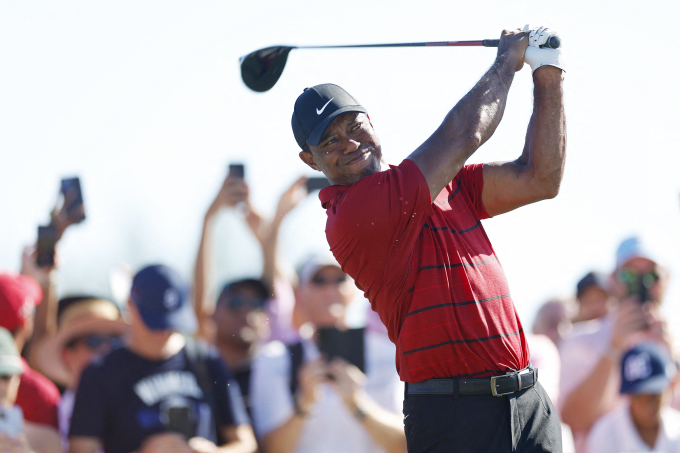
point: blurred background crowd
(286, 361)
(144, 101)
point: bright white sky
(143, 100)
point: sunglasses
(237, 302)
(95, 342)
(318, 280)
(647, 279)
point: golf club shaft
(484, 42)
(553, 43)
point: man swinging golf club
(410, 235)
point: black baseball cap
(316, 108)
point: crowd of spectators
(269, 364)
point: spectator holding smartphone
(247, 311)
(644, 422)
(161, 392)
(302, 402)
(590, 379)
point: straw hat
(82, 317)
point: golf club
(260, 70)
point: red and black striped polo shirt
(429, 270)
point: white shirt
(330, 427)
(616, 433)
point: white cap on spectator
(310, 267)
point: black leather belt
(496, 385)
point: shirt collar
(328, 195)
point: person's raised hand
(29, 266)
(657, 327)
(630, 319)
(62, 218)
(165, 443)
(292, 197)
(348, 381)
(512, 46)
(311, 374)
(202, 445)
(535, 56)
(233, 191)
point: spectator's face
(594, 302)
(9, 386)
(239, 316)
(80, 352)
(641, 266)
(327, 295)
(348, 151)
(552, 321)
(646, 410)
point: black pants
(524, 421)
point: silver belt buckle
(494, 392)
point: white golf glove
(535, 56)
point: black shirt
(124, 398)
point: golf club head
(260, 70)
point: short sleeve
(471, 178)
(91, 405)
(373, 227)
(270, 398)
(228, 399)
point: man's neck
(152, 350)
(648, 434)
(236, 356)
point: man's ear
(309, 160)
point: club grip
(552, 43)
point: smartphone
(237, 171)
(346, 344)
(47, 240)
(73, 199)
(317, 183)
(11, 421)
(180, 421)
(638, 285)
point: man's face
(639, 266)
(9, 386)
(646, 409)
(327, 295)
(594, 303)
(348, 151)
(79, 352)
(239, 316)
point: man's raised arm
(537, 174)
(474, 118)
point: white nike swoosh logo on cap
(319, 112)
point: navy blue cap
(646, 369)
(161, 297)
(316, 108)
